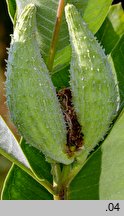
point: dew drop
(98, 69)
(88, 50)
(93, 56)
(91, 68)
(85, 37)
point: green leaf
(20, 186)
(111, 184)
(10, 148)
(117, 56)
(61, 78)
(112, 28)
(11, 8)
(85, 185)
(93, 13)
(37, 161)
(102, 176)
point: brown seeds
(74, 134)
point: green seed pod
(31, 96)
(94, 85)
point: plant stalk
(55, 34)
(70, 171)
(56, 172)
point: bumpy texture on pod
(93, 84)
(31, 96)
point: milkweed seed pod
(93, 83)
(31, 96)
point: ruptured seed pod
(31, 96)
(94, 86)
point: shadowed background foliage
(6, 29)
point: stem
(68, 176)
(55, 34)
(62, 179)
(59, 189)
(57, 197)
(56, 172)
(65, 172)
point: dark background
(116, 1)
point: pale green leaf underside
(111, 184)
(116, 16)
(102, 177)
(117, 55)
(93, 12)
(10, 148)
